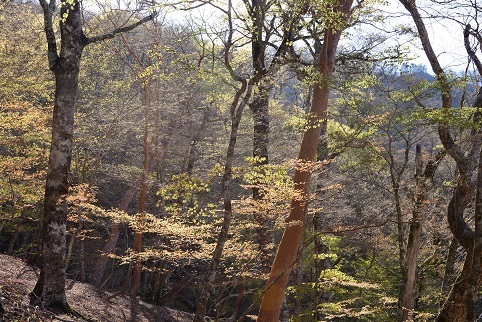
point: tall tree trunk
(264, 231)
(422, 178)
(50, 287)
(460, 304)
(136, 268)
(286, 255)
(454, 308)
(226, 196)
(129, 194)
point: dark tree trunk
(449, 271)
(264, 231)
(474, 278)
(50, 287)
(259, 109)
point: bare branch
(112, 34)
(470, 51)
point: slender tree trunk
(126, 199)
(413, 245)
(136, 268)
(225, 191)
(264, 231)
(113, 235)
(239, 298)
(288, 248)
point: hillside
(17, 280)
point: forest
(242, 160)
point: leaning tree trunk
(136, 268)
(286, 255)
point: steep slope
(17, 279)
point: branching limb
(48, 10)
(116, 31)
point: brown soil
(17, 279)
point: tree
(423, 178)
(65, 65)
(240, 100)
(286, 255)
(459, 305)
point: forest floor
(17, 279)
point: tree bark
(286, 255)
(449, 271)
(136, 268)
(50, 287)
(422, 179)
(208, 282)
(460, 303)
(454, 308)
(474, 278)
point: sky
(446, 36)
